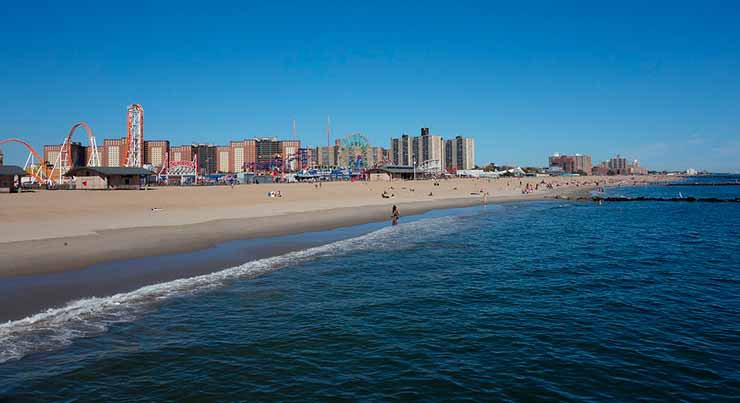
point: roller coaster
(38, 173)
(273, 165)
(42, 171)
(432, 167)
(52, 173)
(185, 171)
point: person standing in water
(395, 215)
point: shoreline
(64, 254)
(36, 275)
(185, 226)
(26, 295)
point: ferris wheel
(354, 149)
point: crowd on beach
(486, 187)
(501, 187)
(527, 186)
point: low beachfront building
(97, 178)
(379, 176)
(389, 172)
(10, 177)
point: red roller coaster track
(35, 154)
(65, 152)
(65, 157)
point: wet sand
(22, 296)
(58, 231)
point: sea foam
(58, 327)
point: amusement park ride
(352, 156)
(38, 172)
(135, 136)
(354, 149)
(52, 173)
(184, 170)
(431, 167)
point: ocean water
(713, 186)
(540, 301)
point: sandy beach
(55, 231)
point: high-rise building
(51, 153)
(468, 160)
(394, 152)
(561, 163)
(2, 157)
(327, 156)
(450, 156)
(207, 158)
(407, 153)
(243, 155)
(418, 149)
(155, 152)
(290, 154)
(182, 153)
(268, 150)
(582, 164)
(571, 164)
(415, 150)
(618, 165)
(402, 150)
(375, 156)
(272, 153)
(224, 159)
(459, 153)
(77, 158)
(428, 148)
(113, 153)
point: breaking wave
(58, 327)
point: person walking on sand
(395, 215)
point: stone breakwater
(660, 199)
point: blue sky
(659, 82)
